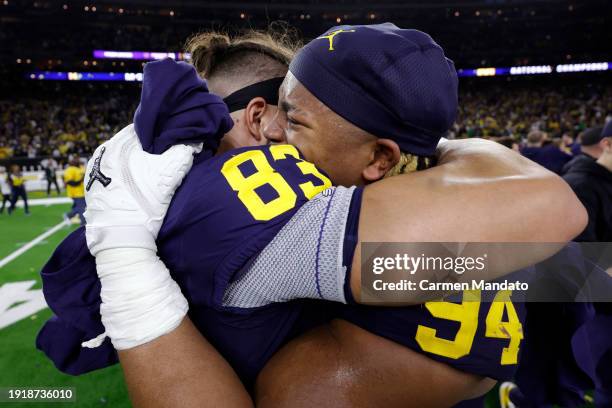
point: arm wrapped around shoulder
(128, 192)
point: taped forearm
(140, 301)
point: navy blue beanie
(393, 83)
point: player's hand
(128, 191)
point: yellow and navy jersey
(241, 199)
(73, 177)
(479, 332)
(17, 180)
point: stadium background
(59, 118)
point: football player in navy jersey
(222, 301)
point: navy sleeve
(61, 343)
(350, 241)
(72, 291)
(176, 107)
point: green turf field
(21, 364)
(43, 194)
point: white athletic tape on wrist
(140, 301)
(101, 238)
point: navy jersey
(508, 337)
(470, 334)
(225, 213)
(228, 208)
(568, 347)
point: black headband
(267, 89)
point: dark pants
(78, 207)
(52, 181)
(6, 198)
(19, 192)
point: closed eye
(292, 122)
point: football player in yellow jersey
(73, 178)
(17, 183)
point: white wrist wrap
(101, 238)
(140, 301)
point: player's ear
(385, 155)
(254, 112)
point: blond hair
(257, 55)
(409, 163)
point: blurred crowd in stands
(62, 126)
(74, 122)
(502, 111)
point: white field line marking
(33, 242)
(30, 302)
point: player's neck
(605, 160)
(225, 145)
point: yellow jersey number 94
(265, 174)
(466, 314)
